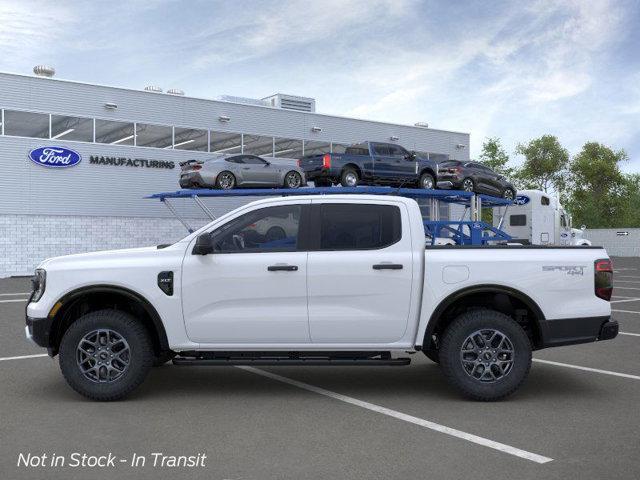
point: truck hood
(104, 257)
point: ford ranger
(371, 163)
(350, 281)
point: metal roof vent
(153, 88)
(44, 71)
(175, 91)
(422, 124)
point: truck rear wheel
(105, 355)
(485, 354)
(349, 178)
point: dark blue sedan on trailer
(371, 163)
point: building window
(190, 139)
(26, 124)
(114, 133)
(287, 148)
(338, 147)
(258, 145)
(224, 142)
(157, 136)
(312, 147)
(72, 128)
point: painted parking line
(626, 300)
(14, 294)
(588, 369)
(485, 442)
(630, 334)
(626, 311)
(13, 300)
(22, 357)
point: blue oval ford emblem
(57, 157)
(521, 200)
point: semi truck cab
(537, 218)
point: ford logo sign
(521, 200)
(56, 157)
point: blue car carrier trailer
(473, 231)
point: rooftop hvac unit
(44, 71)
(175, 91)
(153, 88)
(292, 102)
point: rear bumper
(449, 183)
(571, 331)
(192, 180)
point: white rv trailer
(537, 218)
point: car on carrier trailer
(349, 283)
(371, 163)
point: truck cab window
(359, 227)
(517, 220)
(381, 150)
(271, 229)
(544, 200)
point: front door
(253, 288)
(360, 274)
(257, 171)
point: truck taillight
(299, 163)
(603, 278)
(326, 161)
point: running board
(294, 358)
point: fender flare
(69, 298)
(540, 319)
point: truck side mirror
(583, 227)
(204, 245)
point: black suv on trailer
(474, 177)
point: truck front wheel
(485, 354)
(105, 355)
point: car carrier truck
(537, 218)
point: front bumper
(38, 331)
(570, 331)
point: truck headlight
(38, 284)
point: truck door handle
(387, 266)
(282, 268)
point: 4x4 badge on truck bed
(570, 269)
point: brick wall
(26, 240)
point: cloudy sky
(515, 70)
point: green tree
(495, 157)
(545, 164)
(599, 191)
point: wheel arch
(354, 166)
(521, 307)
(95, 297)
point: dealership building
(128, 144)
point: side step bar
(292, 358)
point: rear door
(359, 272)
(383, 162)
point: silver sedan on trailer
(230, 171)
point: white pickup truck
(317, 280)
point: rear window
(449, 163)
(359, 227)
(360, 149)
(544, 200)
(517, 220)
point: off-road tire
(140, 358)
(450, 354)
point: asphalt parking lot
(577, 415)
